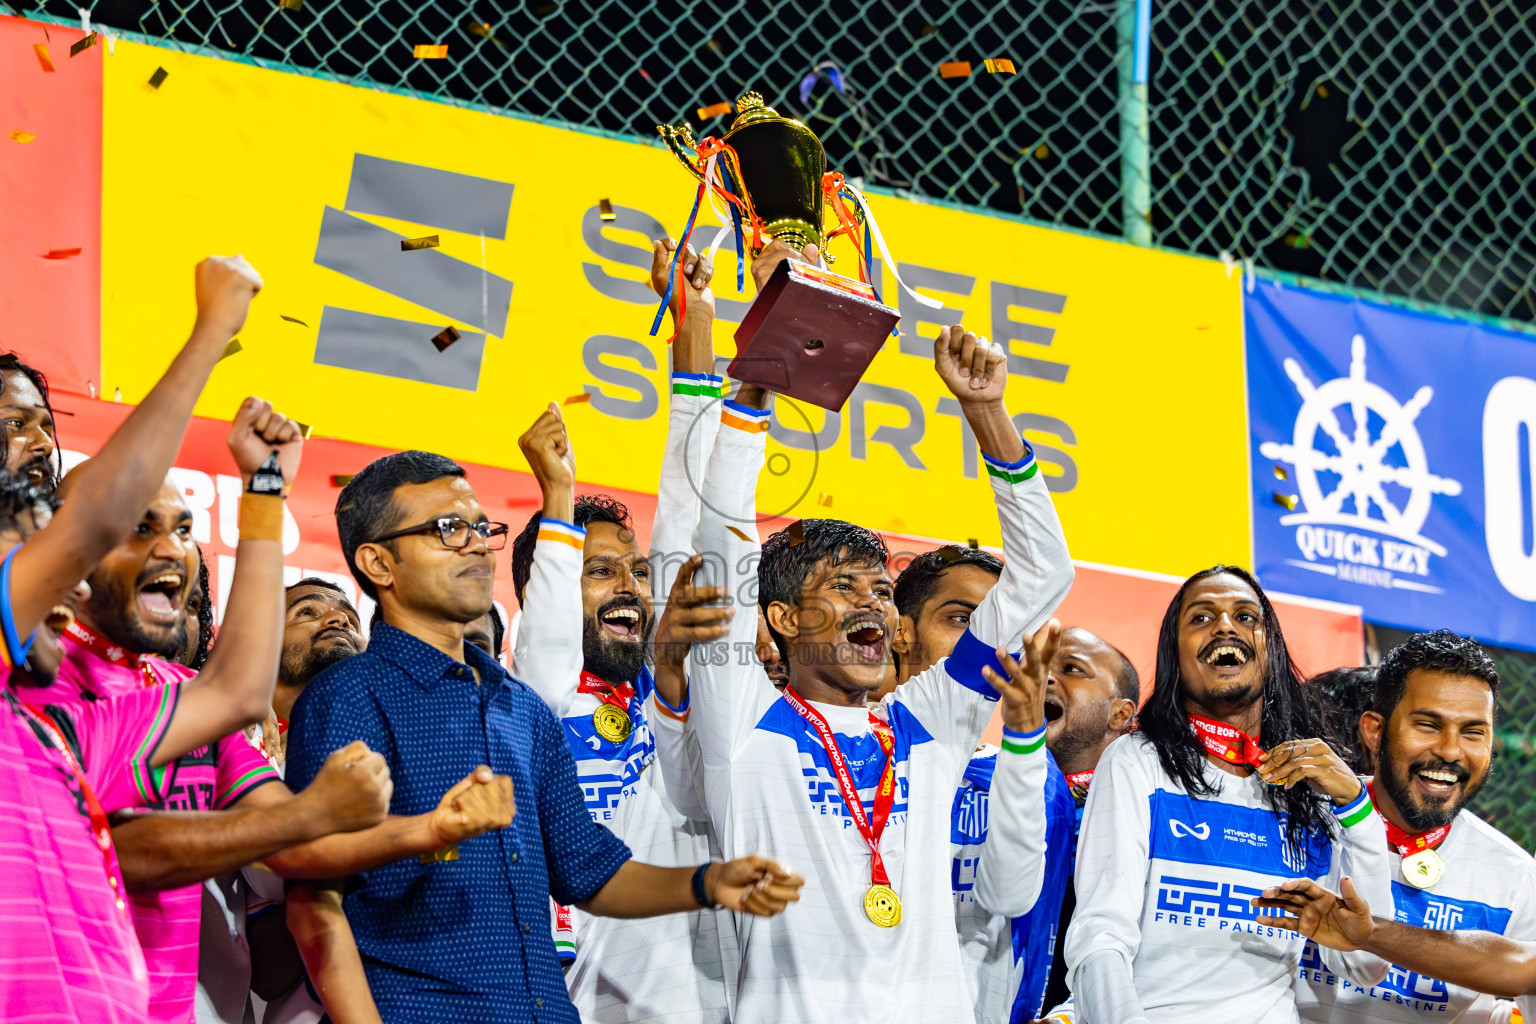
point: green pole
(1133, 37)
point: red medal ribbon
(100, 829)
(885, 794)
(1404, 842)
(1082, 779)
(1225, 741)
(619, 695)
(104, 648)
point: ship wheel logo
(1372, 477)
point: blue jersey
(1010, 961)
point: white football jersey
(1164, 879)
(1489, 885)
(769, 785)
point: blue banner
(1394, 462)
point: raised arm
(109, 494)
(693, 418)
(548, 652)
(1012, 871)
(234, 688)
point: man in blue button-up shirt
(464, 934)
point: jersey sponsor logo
(608, 772)
(962, 874)
(827, 799)
(1427, 910)
(1201, 831)
(968, 822)
(1247, 839)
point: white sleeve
(727, 693)
(1107, 991)
(693, 420)
(1037, 573)
(1485, 1009)
(1012, 870)
(547, 654)
(678, 756)
(1113, 851)
(1364, 856)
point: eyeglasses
(455, 532)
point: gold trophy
(810, 333)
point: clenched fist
(225, 287)
(481, 802)
(352, 790)
(256, 432)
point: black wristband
(698, 887)
(268, 478)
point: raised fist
(225, 287)
(256, 432)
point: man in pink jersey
(67, 951)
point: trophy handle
(679, 139)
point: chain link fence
(1377, 144)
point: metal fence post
(1134, 32)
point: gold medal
(611, 723)
(1423, 869)
(883, 906)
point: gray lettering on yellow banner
(426, 195)
(397, 348)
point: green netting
(1377, 144)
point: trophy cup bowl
(810, 333)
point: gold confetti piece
(740, 534)
(22, 137)
(428, 52)
(293, 320)
(1280, 473)
(823, 499)
(955, 69)
(445, 337)
(424, 242)
(479, 28)
(929, 30)
(340, 480)
(291, 5)
(1000, 66)
(446, 853)
(973, 544)
(585, 396)
(1285, 501)
(1042, 151)
(233, 347)
(157, 79)
(797, 532)
(41, 49)
(949, 553)
(714, 46)
(714, 109)
(605, 209)
(61, 254)
(85, 44)
(304, 429)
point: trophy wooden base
(811, 334)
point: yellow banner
(1127, 364)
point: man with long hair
(1225, 790)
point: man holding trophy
(856, 795)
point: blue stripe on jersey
(966, 661)
(1444, 913)
(15, 651)
(863, 755)
(1034, 934)
(1189, 830)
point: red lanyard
(103, 648)
(1080, 780)
(1405, 842)
(619, 695)
(100, 830)
(885, 795)
(1227, 742)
